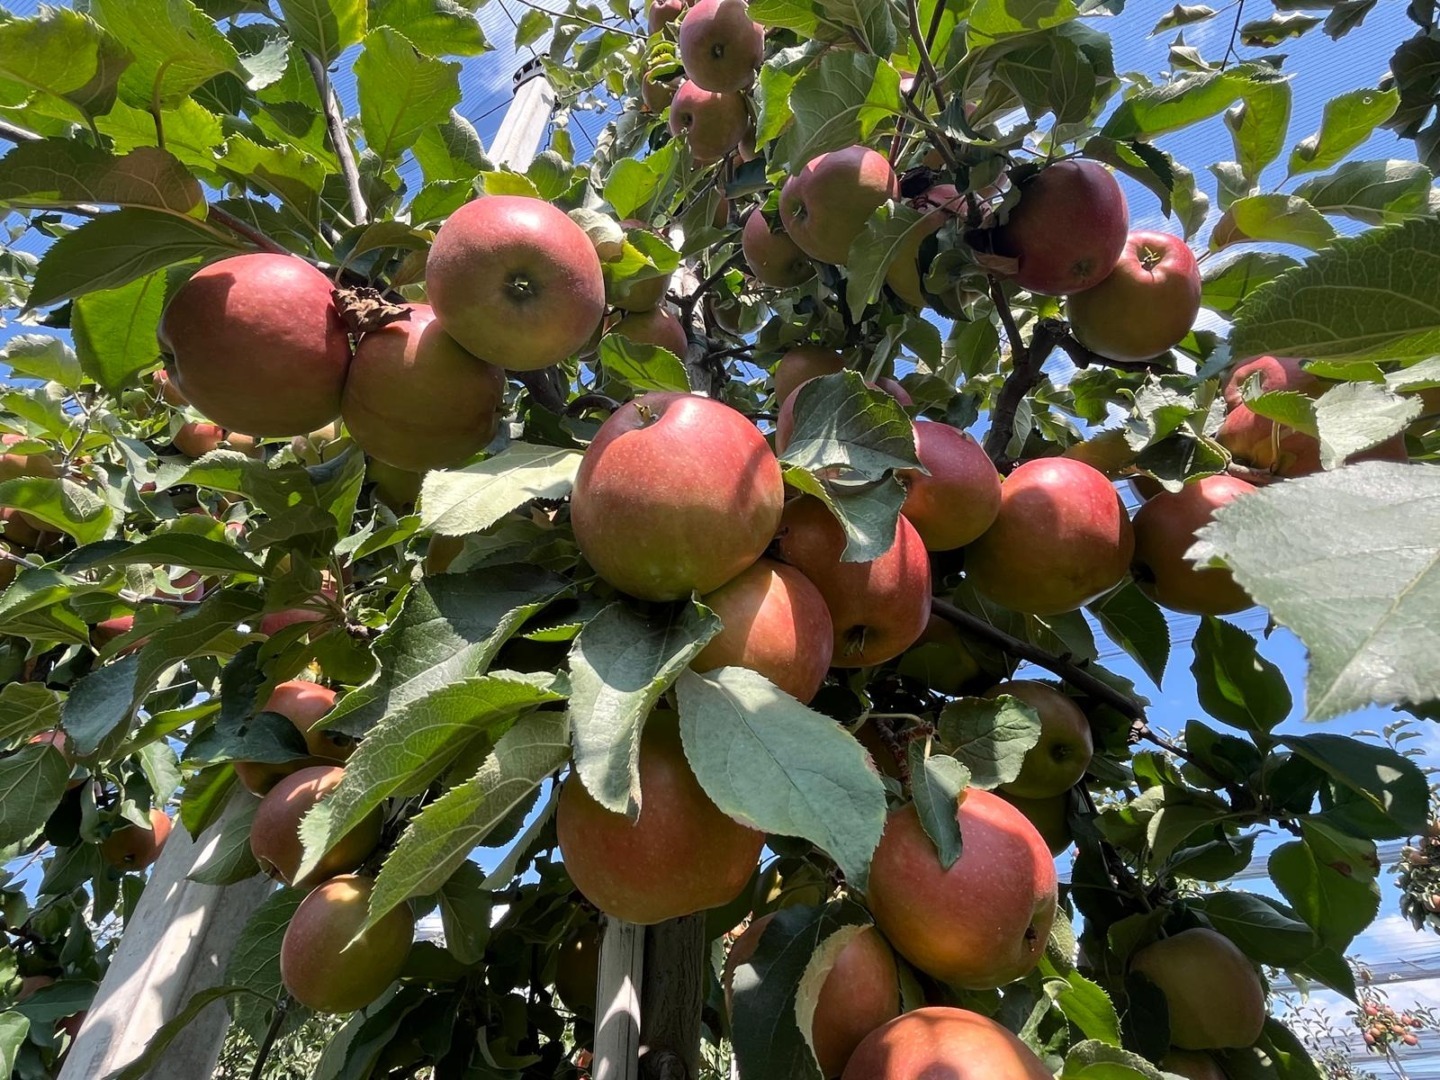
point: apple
(1145, 306)
(440, 552)
(942, 658)
(1061, 539)
(322, 967)
(130, 847)
(940, 204)
(15, 465)
(1193, 1065)
(1068, 230)
(167, 389)
(418, 401)
(258, 344)
(275, 830)
(985, 921)
(772, 256)
(663, 12)
(681, 855)
(675, 494)
(879, 608)
(1050, 816)
(938, 1043)
(577, 968)
(895, 390)
(959, 498)
(721, 46)
(1214, 995)
(1165, 529)
(515, 282)
(826, 205)
(657, 94)
(24, 531)
(860, 992)
(196, 440)
(107, 630)
(776, 623)
(801, 364)
(303, 704)
(713, 124)
(658, 327)
(1059, 759)
(396, 488)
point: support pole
(672, 999)
(617, 1002)
(525, 122)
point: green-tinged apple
(396, 488)
(772, 256)
(258, 344)
(515, 281)
(985, 921)
(680, 856)
(940, 204)
(1145, 306)
(943, 659)
(713, 124)
(1067, 231)
(1059, 759)
(1165, 529)
(15, 465)
(803, 363)
(133, 847)
(826, 205)
(577, 968)
(1214, 995)
(657, 93)
(676, 493)
(938, 1043)
(303, 704)
(1061, 539)
(878, 608)
(860, 992)
(325, 965)
(441, 551)
(1050, 816)
(661, 13)
(275, 830)
(646, 294)
(776, 623)
(721, 46)
(1193, 1065)
(418, 401)
(659, 327)
(958, 498)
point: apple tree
(717, 531)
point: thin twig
(1234, 33)
(687, 306)
(927, 65)
(335, 124)
(1025, 364)
(582, 19)
(1082, 357)
(249, 232)
(272, 1033)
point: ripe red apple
(861, 992)
(258, 344)
(1193, 1065)
(826, 205)
(1059, 759)
(416, 400)
(663, 12)
(721, 46)
(772, 256)
(1165, 529)
(275, 830)
(879, 608)
(515, 282)
(939, 205)
(776, 623)
(1067, 231)
(107, 630)
(303, 704)
(319, 965)
(196, 439)
(129, 847)
(1214, 995)
(676, 493)
(659, 327)
(1145, 306)
(713, 124)
(944, 1044)
(985, 921)
(1061, 539)
(1050, 816)
(959, 498)
(680, 856)
(801, 364)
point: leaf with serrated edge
(1355, 416)
(840, 422)
(990, 737)
(461, 501)
(32, 782)
(937, 781)
(254, 964)
(27, 709)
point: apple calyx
(521, 287)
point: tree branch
(17, 134)
(1025, 364)
(542, 388)
(249, 232)
(687, 305)
(335, 124)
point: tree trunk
(671, 998)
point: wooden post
(672, 998)
(617, 1002)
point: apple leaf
(1355, 416)
(776, 765)
(65, 54)
(26, 708)
(1264, 929)
(209, 630)
(114, 330)
(402, 92)
(843, 424)
(879, 243)
(1225, 287)
(40, 356)
(226, 858)
(1258, 125)
(1087, 1006)
(32, 782)
(55, 173)
(64, 504)
(1185, 100)
(99, 704)
(990, 737)
(456, 502)
(838, 103)
(325, 28)
(620, 664)
(642, 365)
(1372, 192)
(164, 548)
(1349, 120)
(264, 737)
(1337, 905)
(255, 965)
(867, 512)
(936, 780)
(1133, 621)
(1271, 218)
(992, 20)
(1376, 790)
(175, 48)
(1360, 591)
(435, 27)
(1097, 1060)
(1234, 683)
(1183, 15)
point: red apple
(275, 830)
(258, 344)
(680, 856)
(658, 327)
(772, 256)
(985, 921)
(803, 363)
(713, 124)
(721, 46)
(303, 704)
(129, 847)
(1165, 529)
(1061, 539)
(944, 1044)
(959, 498)
(416, 400)
(676, 493)
(1214, 995)
(663, 12)
(1193, 1065)
(1146, 306)
(942, 203)
(1068, 230)
(326, 963)
(1059, 759)
(878, 608)
(826, 205)
(515, 282)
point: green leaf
(1225, 287)
(99, 704)
(226, 858)
(439, 839)
(115, 249)
(1234, 683)
(1264, 930)
(1271, 31)
(1278, 219)
(971, 350)
(192, 132)
(842, 422)
(1324, 888)
(1258, 126)
(401, 92)
(1349, 120)
(837, 103)
(620, 664)
(867, 512)
(324, 28)
(1183, 15)
(27, 709)
(461, 501)
(40, 356)
(772, 763)
(990, 736)
(32, 783)
(1097, 1060)
(631, 184)
(641, 365)
(14, 1027)
(992, 20)
(1378, 777)
(1058, 71)
(1358, 591)
(533, 25)
(451, 151)
(176, 48)
(209, 630)
(1373, 192)
(1355, 416)
(173, 548)
(65, 173)
(435, 27)
(115, 330)
(64, 504)
(265, 737)
(66, 58)
(1185, 100)
(1133, 621)
(295, 177)
(936, 781)
(1086, 1006)
(254, 964)
(892, 231)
